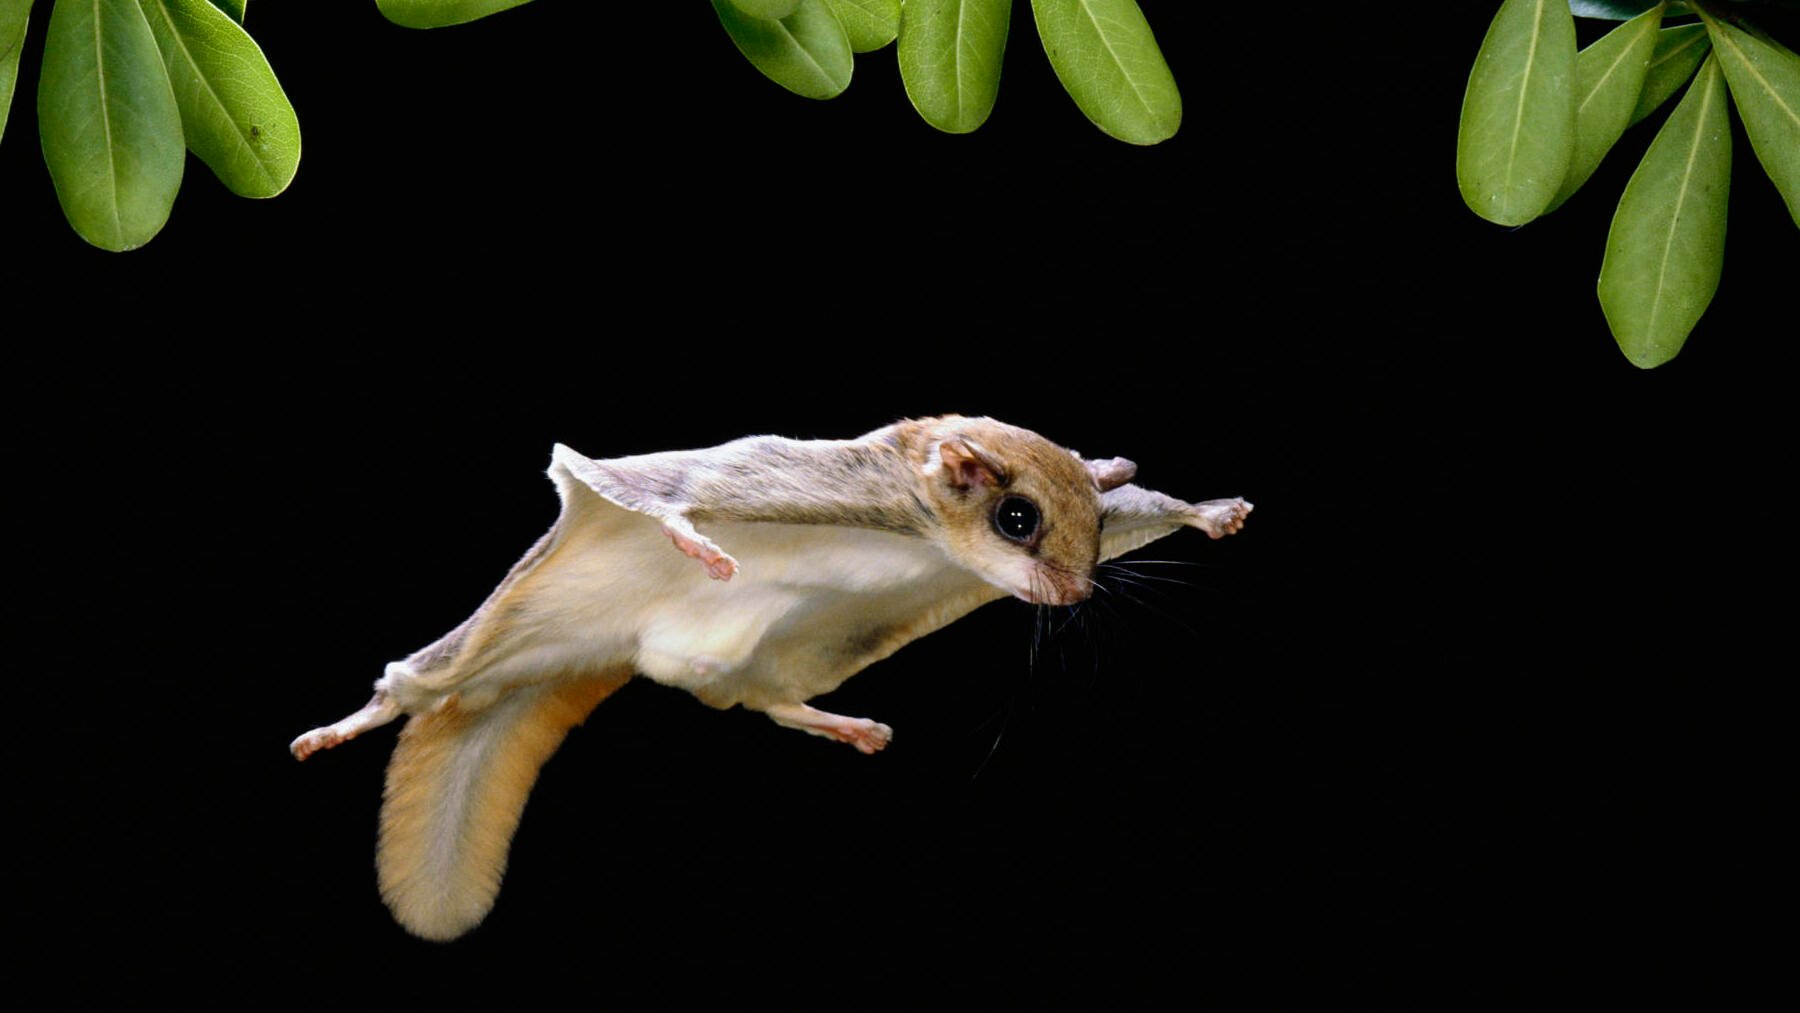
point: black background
(1465, 712)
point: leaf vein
(826, 77)
(1687, 175)
(1518, 120)
(194, 67)
(1110, 51)
(1618, 61)
(1691, 42)
(112, 159)
(1773, 94)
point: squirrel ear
(1111, 474)
(966, 465)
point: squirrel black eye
(1016, 518)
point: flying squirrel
(840, 553)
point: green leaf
(806, 52)
(1667, 244)
(1765, 83)
(235, 8)
(1679, 51)
(1622, 10)
(108, 122)
(233, 111)
(1610, 10)
(870, 24)
(438, 13)
(1608, 77)
(13, 17)
(1517, 132)
(950, 54)
(1108, 62)
(773, 9)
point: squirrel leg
(379, 711)
(867, 736)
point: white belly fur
(792, 623)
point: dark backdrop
(1461, 714)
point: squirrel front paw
(719, 565)
(1221, 517)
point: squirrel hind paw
(381, 709)
(314, 741)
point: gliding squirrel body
(830, 555)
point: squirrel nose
(1074, 590)
(1061, 589)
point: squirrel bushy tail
(455, 789)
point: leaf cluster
(1538, 117)
(128, 87)
(950, 52)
